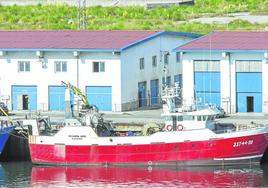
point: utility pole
(81, 14)
(84, 15)
(78, 14)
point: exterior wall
(249, 85)
(244, 56)
(111, 76)
(188, 73)
(122, 71)
(44, 77)
(228, 76)
(226, 85)
(207, 81)
(132, 75)
(24, 97)
(188, 81)
(265, 86)
(100, 96)
(37, 75)
(207, 87)
(56, 97)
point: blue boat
(4, 135)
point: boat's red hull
(228, 151)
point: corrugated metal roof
(229, 41)
(68, 39)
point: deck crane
(78, 93)
(90, 113)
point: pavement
(147, 116)
(248, 117)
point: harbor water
(24, 174)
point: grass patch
(133, 17)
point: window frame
(24, 66)
(142, 64)
(178, 57)
(154, 61)
(166, 59)
(60, 66)
(100, 68)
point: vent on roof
(76, 53)
(39, 54)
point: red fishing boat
(190, 136)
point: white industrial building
(117, 70)
(229, 69)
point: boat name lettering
(77, 137)
(242, 143)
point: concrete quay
(146, 116)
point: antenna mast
(81, 14)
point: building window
(206, 65)
(178, 57)
(154, 61)
(248, 66)
(60, 66)
(166, 59)
(141, 63)
(98, 67)
(24, 66)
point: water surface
(23, 174)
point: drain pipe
(76, 54)
(230, 82)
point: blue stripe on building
(101, 96)
(207, 87)
(154, 91)
(249, 92)
(24, 97)
(142, 96)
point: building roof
(77, 40)
(228, 42)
